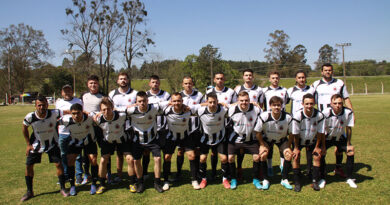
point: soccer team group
(230, 123)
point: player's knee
(167, 157)
(157, 159)
(287, 155)
(231, 158)
(180, 152)
(203, 158)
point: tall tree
(278, 52)
(327, 54)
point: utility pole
(342, 45)
(212, 52)
(73, 54)
(9, 80)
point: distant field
(370, 136)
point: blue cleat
(286, 184)
(281, 168)
(233, 184)
(72, 191)
(270, 172)
(93, 189)
(257, 184)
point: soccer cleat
(158, 187)
(132, 188)
(85, 180)
(195, 185)
(270, 172)
(226, 183)
(176, 178)
(339, 171)
(257, 184)
(297, 187)
(146, 176)
(166, 186)
(79, 181)
(93, 189)
(315, 186)
(322, 183)
(351, 183)
(27, 196)
(286, 184)
(64, 193)
(239, 174)
(72, 191)
(265, 184)
(203, 183)
(140, 187)
(101, 189)
(117, 180)
(233, 184)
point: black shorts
(195, 137)
(90, 148)
(110, 148)
(251, 147)
(221, 148)
(54, 155)
(162, 136)
(138, 149)
(282, 145)
(341, 144)
(186, 144)
(309, 145)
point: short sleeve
(295, 127)
(27, 120)
(351, 121)
(259, 125)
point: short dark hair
(247, 70)
(308, 95)
(273, 72)
(77, 107)
(300, 71)
(188, 77)
(41, 98)
(275, 99)
(335, 96)
(93, 77)
(219, 73)
(175, 94)
(142, 94)
(107, 102)
(326, 65)
(242, 93)
(124, 74)
(154, 77)
(211, 95)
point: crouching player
(338, 129)
(308, 130)
(272, 128)
(82, 137)
(212, 118)
(43, 139)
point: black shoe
(140, 187)
(177, 178)
(158, 187)
(27, 196)
(316, 186)
(297, 187)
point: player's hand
(223, 104)
(29, 148)
(186, 108)
(95, 117)
(256, 104)
(263, 149)
(296, 152)
(317, 151)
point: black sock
(214, 162)
(193, 169)
(132, 179)
(350, 163)
(29, 183)
(225, 170)
(94, 173)
(203, 169)
(232, 167)
(263, 166)
(323, 168)
(157, 181)
(270, 151)
(145, 163)
(309, 159)
(71, 173)
(297, 175)
(240, 159)
(85, 160)
(109, 166)
(61, 179)
(256, 170)
(140, 180)
(179, 163)
(316, 174)
(286, 169)
(197, 166)
(102, 181)
(166, 170)
(339, 160)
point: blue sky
(239, 29)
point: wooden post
(365, 85)
(382, 88)
(351, 89)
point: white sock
(269, 163)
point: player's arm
(349, 136)
(27, 139)
(348, 103)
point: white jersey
(212, 124)
(161, 96)
(44, 136)
(335, 124)
(63, 104)
(224, 96)
(192, 100)
(255, 93)
(308, 127)
(91, 102)
(274, 130)
(81, 133)
(113, 130)
(122, 100)
(243, 123)
(295, 96)
(269, 92)
(324, 91)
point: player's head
(142, 100)
(77, 112)
(188, 83)
(212, 100)
(308, 102)
(93, 84)
(336, 102)
(41, 104)
(106, 107)
(274, 77)
(67, 92)
(243, 100)
(123, 80)
(176, 100)
(275, 103)
(247, 75)
(219, 79)
(154, 83)
(327, 70)
(300, 78)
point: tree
(327, 54)
(278, 52)
(22, 49)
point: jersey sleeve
(296, 124)
(28, 119)
(259, 124)
(344, 92)
(351, 121)
(321, 123)
(290, 125)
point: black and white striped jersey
(178, 123)
(224, 96)
(274, 129)
(113, 130)
(161, 96)
(269, 92)
(295, 96)
(44, 136)
(243, 123)
(255, 93)
(335, 124)
(324, 91)
(307, 127)
(63, 104)
(212, 124)
(81, 133)
(192, 100)
(91, 102)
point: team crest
(334, 89)
(341, 122)
(250, 119)
(219, 119)
(87, 127)
(314, 123)
(194, 103)
(184, 120)
(281, 94)
(150, 117)
(254, 97)
(129, 100)
(225, 98)
(51, 125)
(117, 126)
(281, 128)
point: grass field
(370, 137)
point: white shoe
(322, 183)
(351, 183)
(265, 184)
(166, 186)
(195, 184)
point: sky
(240, 29)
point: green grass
(370, 136)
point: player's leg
(270, 170)
(137, 151)
(91, 150)
(145, 162)
(156, 152)
(103, 172)
(263, 166)
(119, 167)
(240, 159)
(322, 182)
(71, 158)
(296, 164)
(339, 160)
(232, 150)
(203, 168)
(31, 159)
(287, 154)
(63, 141)
(54, 155)
(179, 162)
(316, 167)
(214, 162)
(253, 149)
(309, 162)
(192, 158)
